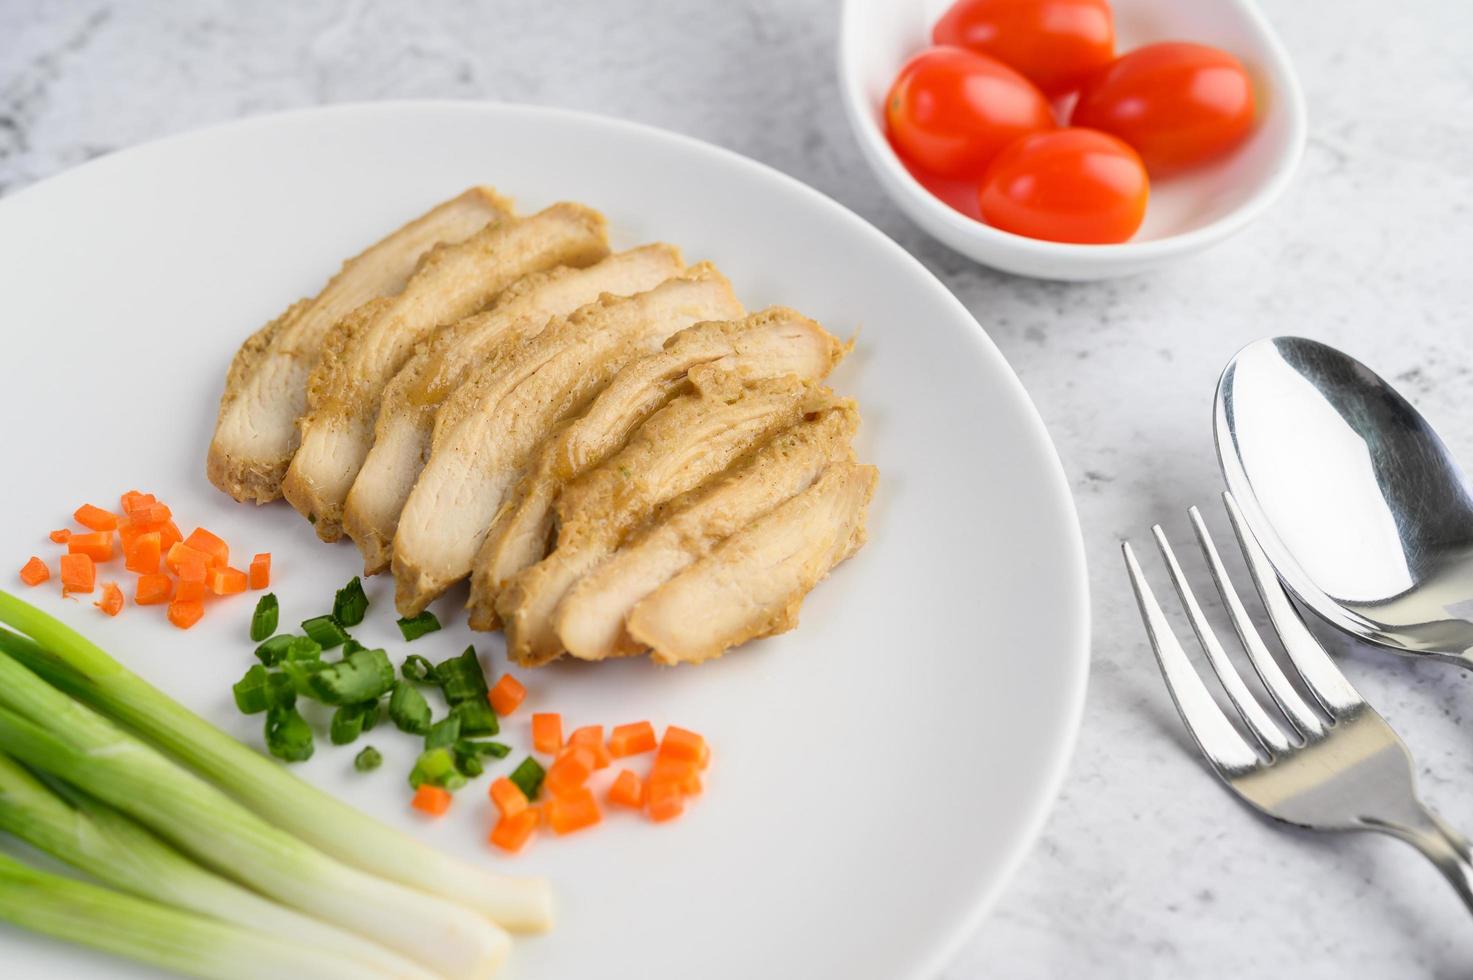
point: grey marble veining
(1146, 869)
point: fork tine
(1268, 734)
(1228, 751)
(1300, 714)
(1324, 680)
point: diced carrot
(591, 737)
(680, 773)
(663, 802)
(112, 599)
(682, 744)
(98, 545)
(570, 771)
(153, 516)
(191, 582)
(133, 500)
(632, 739)
(627, 790)
(227, 581)
(547, 732)
(511, 833)
(431, 799)
(171, 535)
(60, 535)
(34, 572)
(78, 574)
(506, 695)
(95, 518)
(573, 811)
(144, 553)
(508, 797)
(203, 541)
(261, 570)
(184, 613)
(153, 590)
(181, 553)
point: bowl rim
(942, 220)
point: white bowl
(1186, 214)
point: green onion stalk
(99, 840)
(80, 747)
(74, 664)
(157, 934)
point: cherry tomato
(1068, 185)
(1056, 44)
(1178, 104)
(951, 110)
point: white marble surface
(1146, 868)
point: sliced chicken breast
(755, 580)
(406, 417)
(590, 619)
(486, 433)
(684, 444)
(266, 388)
(769, 344)
(366, 349)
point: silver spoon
(1360, 506)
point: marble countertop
(1146, 867)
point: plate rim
(1035, 810)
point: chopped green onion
(409, 709)
(299, 673)
(417, 626)
(263, 621)
(273, 651)
(273, 852)
(250, 690)
(350, 603)
(476, 718)
(528, 777)
(436, 767)
(303, 648)
(443, 732)
(368, 760)
(461, 678)
(350, 721)
(328, 632)
(469, 764)
(497, 750)
(366, 675)
(418, 669)
(352, 646)
(288, 736)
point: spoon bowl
(1359, 504)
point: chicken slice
(366, 348)
(769, 344)
(755, 580)
(684, 444)
(590, 619)
(266, 388)
(486, 432)
(406, 417)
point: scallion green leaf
(415, 627)
(300, 672)
(325, 630)
(418, 669)
(349, 721)
(352, 646)
(366, 675)
(263, 620)
(461, 678)
(476, 718)
(368, 760)
(288, 736)
(469, 753)
(528, 777)
(273, 651)
(442, 733)
(303, 648)
(250, 690)
(436, 767)
(350, 604)
(409, 709)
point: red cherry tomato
(951, 110)
(1056, 44)
(1068, 185)
(1178, 104)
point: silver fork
(1345, 770)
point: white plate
(877, 774)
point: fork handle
(1443, 846)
